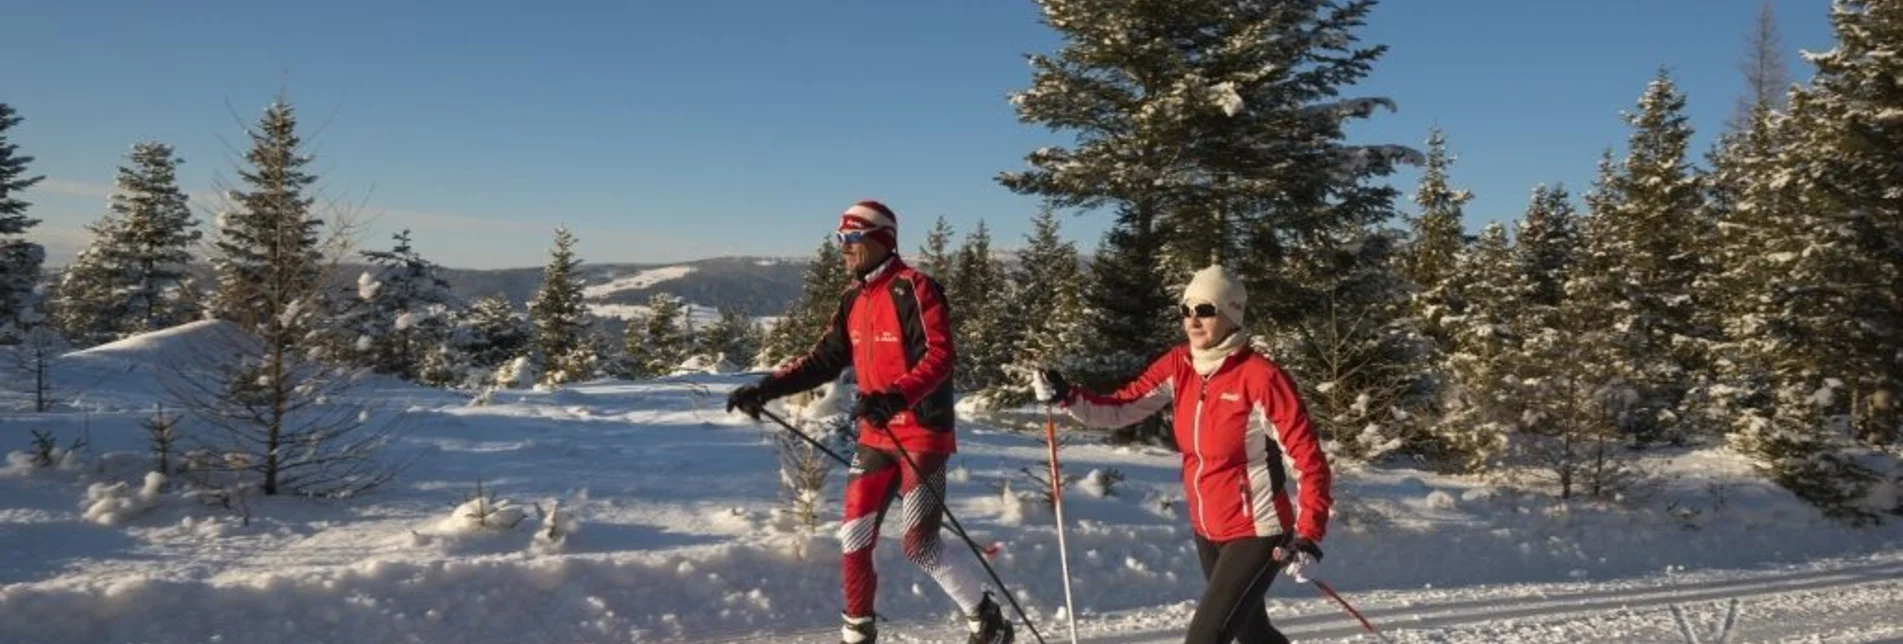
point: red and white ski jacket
(894, 329)
(1234, 429)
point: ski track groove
(1332, 623)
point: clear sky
(663, 131)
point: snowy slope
(640, 280)
(677, 537)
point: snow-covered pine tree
(132, 278)
(401, 311)
(1129, 312)
(982, 307)
(1480, 407)
(825, 283)
(1547, 244)
(268, 254)
(1645, 236)
(558, 317)
(20, 259)
(494, 332)
(1850, 166)
(666, 334)
(1210, 127)
(1432, 256)
(1050, 287)
(728, 339)
(935, 256)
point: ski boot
(859, 630)
(988, 625)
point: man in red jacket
(893, 329)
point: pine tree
(728, 340)
(805, 321)
(935, 257)
(402, 309)
(1548, 241)
(494, 332)
(1437, 242)
(981, 304)
(667, 337)
(1129, 314)
(1480, 410)
(268, 252)
(20, 260)
(1050, 287)
(1644, 236)
(1849, 166)
(559, 317)
(132, 278)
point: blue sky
(663, 131)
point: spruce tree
(1849, 153)
(132, 278)
(1547, 244)
(268, 252)
(981, 302)
(825, 283)
(401, 313)
(493, 332)
(729, 339)
(20, 260)
(1221, 131)
(1438, 240)
(935, 257)
(667, 337)
(1481, 407)
(1050, 287)
(559, 318)
(1645, 240)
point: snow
(663, 511)
(637, 281)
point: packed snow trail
(1840, 601)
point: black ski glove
(879, 408)
(1296, 544)
(749, 399)
(1049, 387)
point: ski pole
(1330, 592)
(1057, 503)
(960, 531)
(1284, 556)
(809, 439)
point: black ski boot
(859, 630)
(988, 625)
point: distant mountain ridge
(758, 286)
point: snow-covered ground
(673, 533)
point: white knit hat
(1216, 286)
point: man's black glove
(749, 399)
(879, 408)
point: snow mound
(116, 503)
(637, 281)
(133, 371)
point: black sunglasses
(1204, 310)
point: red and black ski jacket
(893, 328)
(1234, 427)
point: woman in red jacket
(1237, 415)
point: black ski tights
(1239, 573)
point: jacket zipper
(1202, 512)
